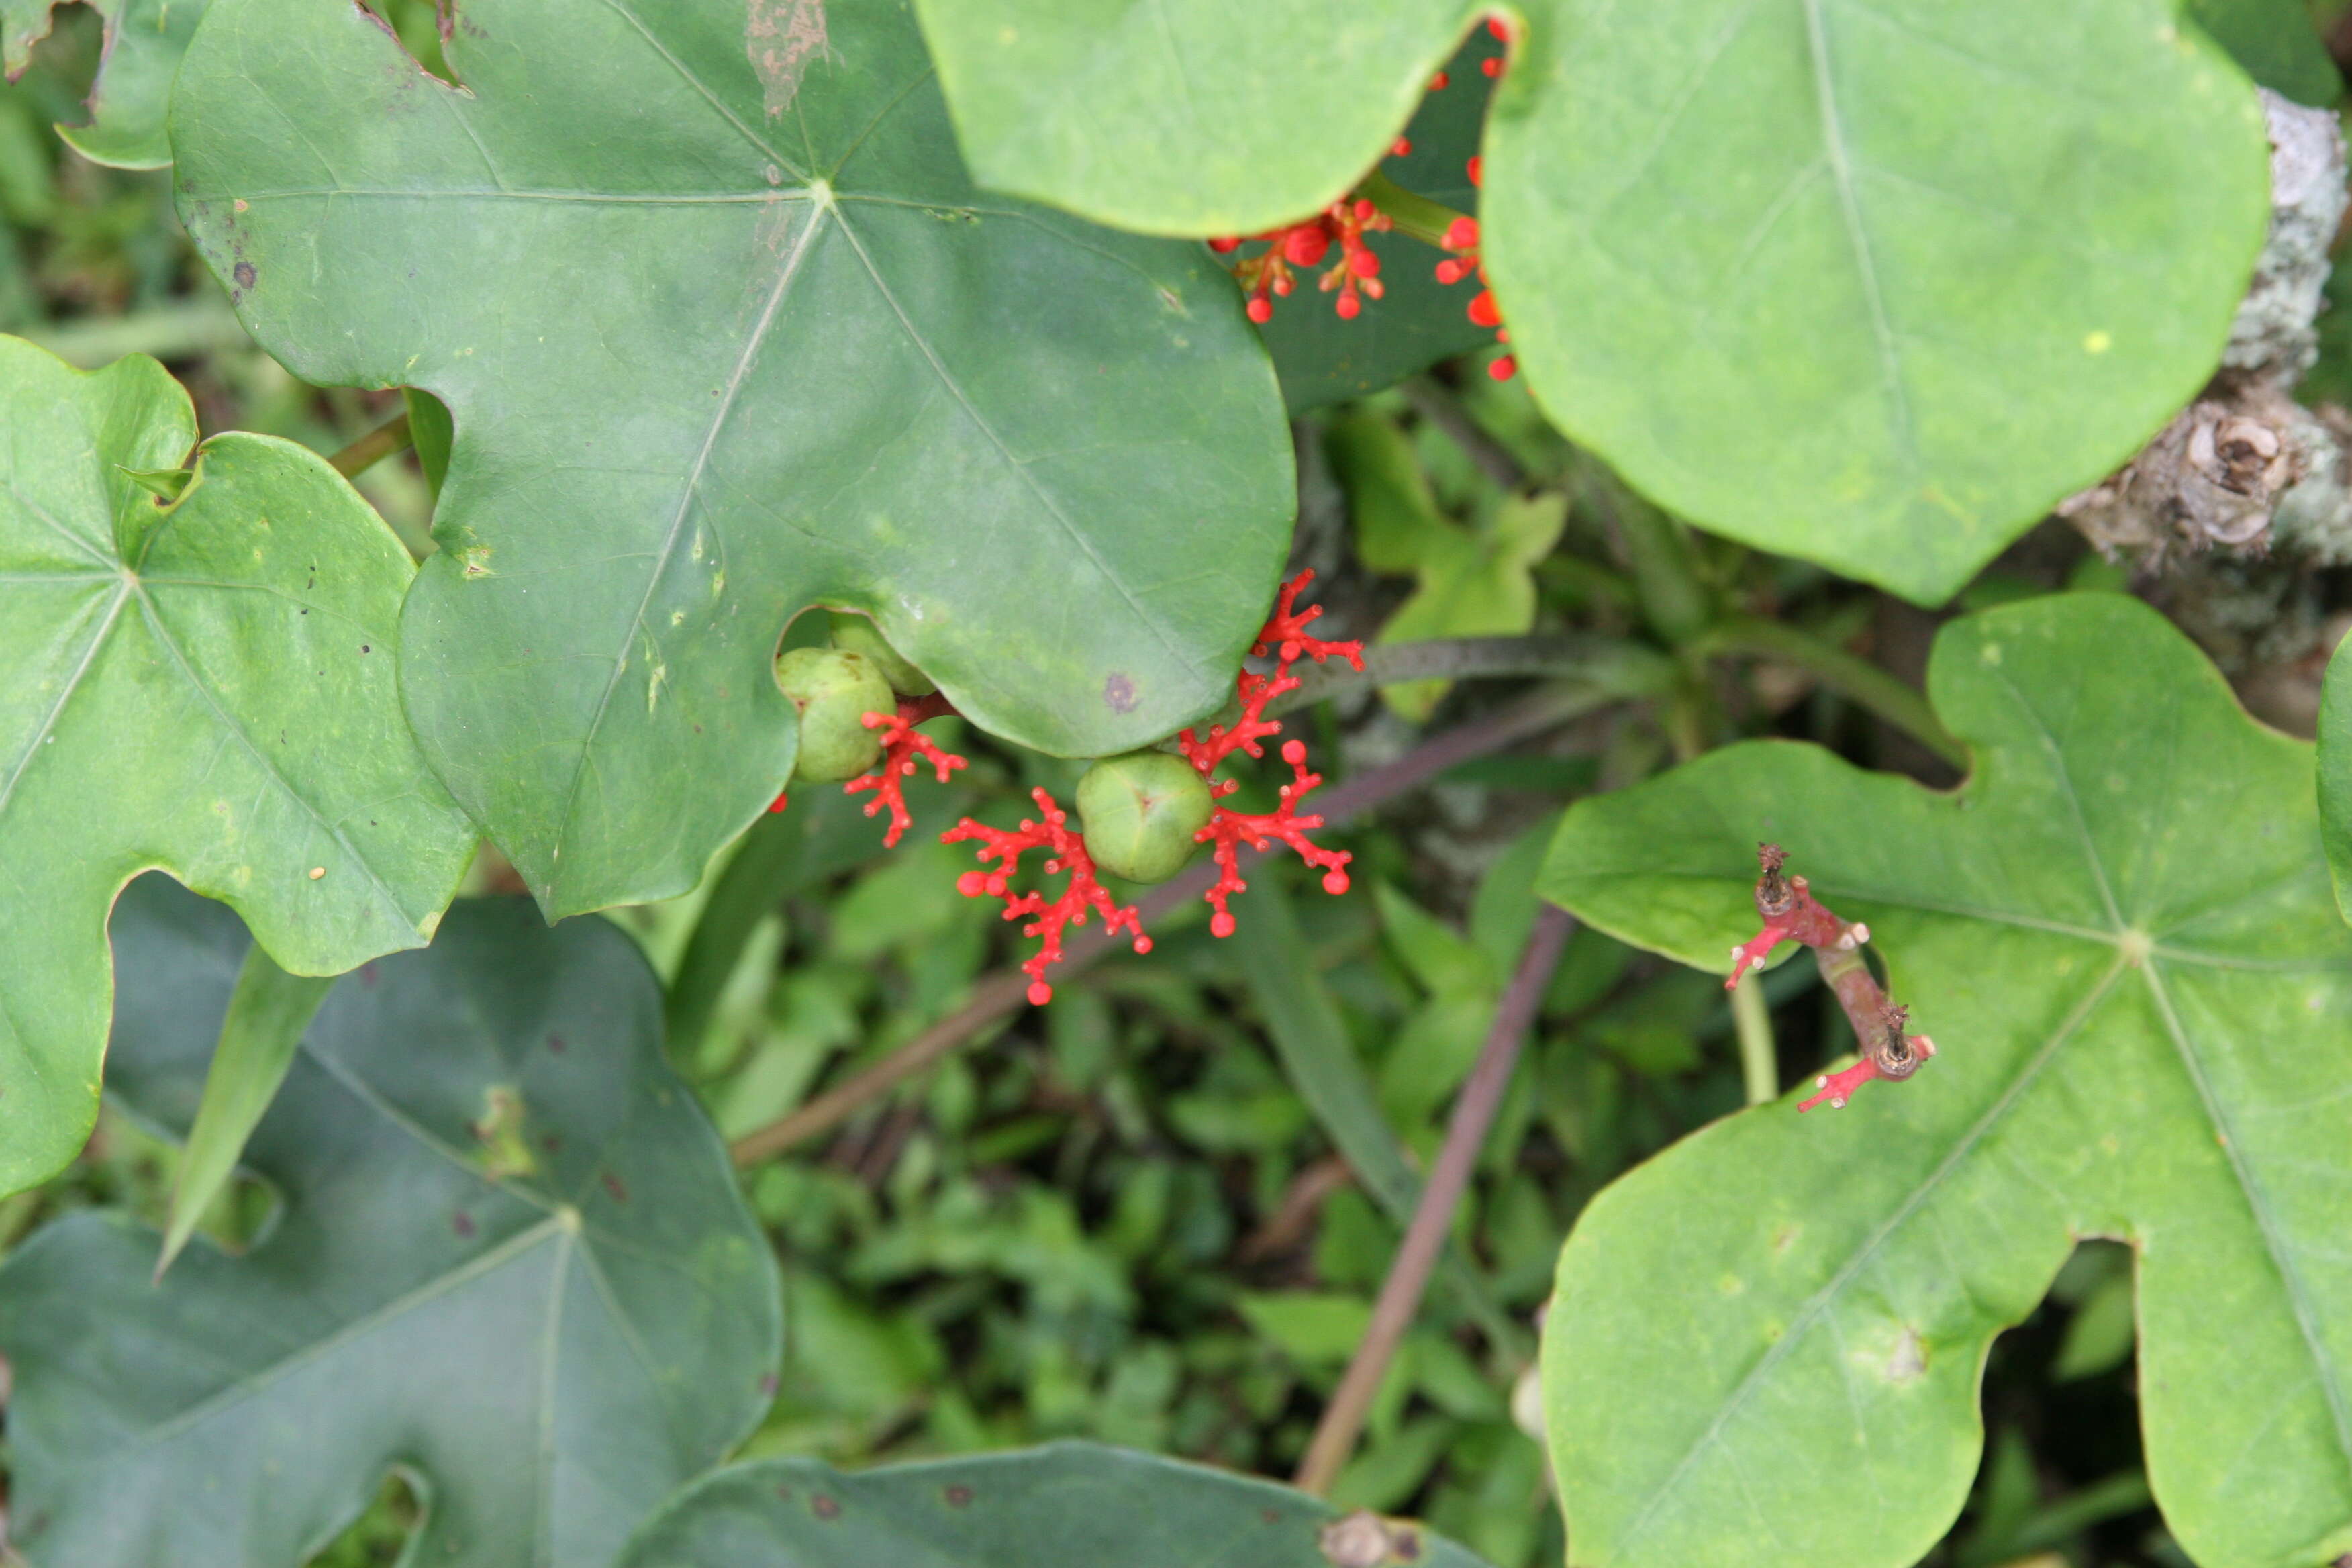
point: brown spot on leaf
(959, 1497)
(613, 1184)
(244, 274)
(824, 1506)
(769, 1384)
(782, 37)
(463, 1224)
(555, 1044)
(1118, 692)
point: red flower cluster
(1304, 245)
(1083, 892)
(901, 748)
(1790, 911)
(1283, 637)
(1286, 640)
(1461, 247)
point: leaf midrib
(482, 1263)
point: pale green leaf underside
(1169, 116)
(726, 331)
(548, 1351)
(132, 94)
(209, 688)
(1766, 1345)
(1876, 284)
(1873, 282)
(1074, 1503)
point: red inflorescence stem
(1790, 912)
(1286, 640)
(1082, 892)
(903, 751)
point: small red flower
(1284, 639)
(1083, 892)
(901, 748)
(1269, 275)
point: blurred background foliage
(1116, 1217)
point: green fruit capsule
(856, 634)
(1140, 811)
(834, 691)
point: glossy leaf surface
(726, 331)
(1071, 1502)
(510, 1259)
(1874, 284)
(132, 94)
(2119, 934)
(208, 686)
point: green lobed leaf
(1069, 1502)
(1766, 1343)
(1873, 284)
(549, 1351)
(1474, 582)
(127, 103)
(206, 686)
(263, 1028)
(725, 331)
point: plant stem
(1751, 1017)
(392, 435)
(1413, 215)
(1844, 673)
(1004, 993)
(1435, 402)
(1622, 668)
(1466, 1131)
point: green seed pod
(856, 634)
(834, 691)
(1140, 811)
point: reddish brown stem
(1433, 1217)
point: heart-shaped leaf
(1871, 284)
(1766, 1343)
(144, 41)
(511, 1259)
(1068, 1503)
(726, 331)
(208, 686)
